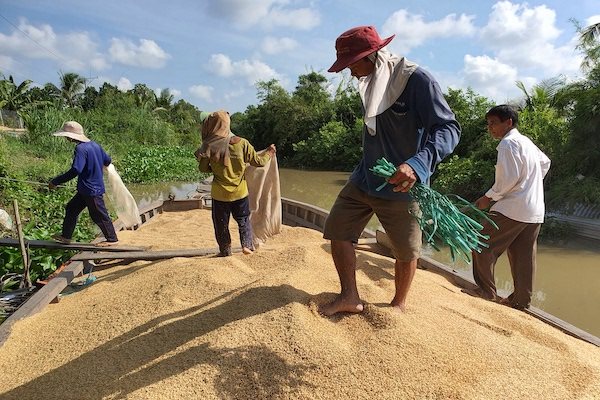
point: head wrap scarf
(380, 89)
(216, 134)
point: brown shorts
(353, 209)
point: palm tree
(542, 95)
(164, 100)
(144, 96)
(72, 86)
(589, 43)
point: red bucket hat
(355, 44)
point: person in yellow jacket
(226, 156)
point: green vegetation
(148, 138)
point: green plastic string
(442, 218)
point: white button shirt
(520, 170)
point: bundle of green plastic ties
(441, 217)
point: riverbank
(247, 327)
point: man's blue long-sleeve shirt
(88, 160)
(418, 129)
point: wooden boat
(294, 213)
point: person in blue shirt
(407, 121)
(88, 162)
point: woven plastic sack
(6, 222)
(124, 203)
(265, 200)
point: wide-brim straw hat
(355, 44)
(73, 130)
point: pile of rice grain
(247, 327)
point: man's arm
(76, 168)
(507, 173)
(106, 160)
(441, 128)
(544, 163)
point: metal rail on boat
(294, 213)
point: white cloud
(6, 63)
(268, 13)
(148, 54)
(101, 80)
(489, 77)
(229, 96)
(594, 19)
(173, 92)
(412, 30)
(202, 92)
(301, 18)
(273, 45)
(524, 36)
(74, 51)
(251, 70)
(124, 84)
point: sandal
(61, 239)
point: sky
(211, 53)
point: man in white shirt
(518, 209)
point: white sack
(123, 201)
(5, 220)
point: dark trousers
(221, 211)
(98, 213)
(519, 240)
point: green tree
(542, 120)
(347, 105)
(144, 96)
(48, 94)
(333, 147)
(90, 95)
(590, 45)
(72, 86)
(164, 100)
(469, 109)
(12, 96)
(186, 118)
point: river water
(567, 282)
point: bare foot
(341, 305)
(247, 251)
(398, 306)
(107, 244)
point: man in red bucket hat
(407, 121)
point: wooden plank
(40, 299)
(183, 205)
(50, 244)
(148, 255)
(564, 326)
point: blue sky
(211, 53)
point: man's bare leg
(404, 274)
(348, 300)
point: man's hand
(483, 203)
(51, 185)
(271, 150)
(404, 178)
